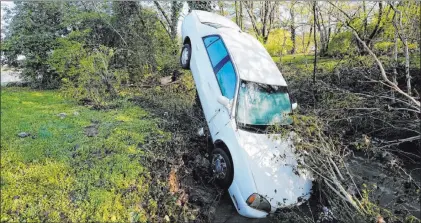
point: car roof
(214, 20)
(252, 61)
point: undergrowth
(60, 174)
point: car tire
(185, 56)
(223, 180)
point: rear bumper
(241, 205)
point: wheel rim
(219, 166)
(185, 56)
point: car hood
(273, 163)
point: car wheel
(222, 168)
(185, 56)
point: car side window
(216, 49)
(227, 80)
(222, 65)
(209, 40)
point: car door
(222, 82)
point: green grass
(304, 63)
(59, 173)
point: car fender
(243, 176)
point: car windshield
(263, 105)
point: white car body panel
(255, 168)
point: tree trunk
(309, 39)
(315, 54)
(292, 27)
(404, 39)
(395, 57)
(408, 75)
(236, 13)
(241, 15)
(221, 7)
(376, 28)
(175, 13)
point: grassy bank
(77, 164)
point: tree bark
(292, 27)
(315, 53)
(266, 12)
(309, 38)
(395, 56)
(241, 15)
(376, 28)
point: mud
(189, 176)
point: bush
(279, 41)
(86, 73)
(341, 44)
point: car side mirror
(294, 105)
(223, 101)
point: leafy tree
(86, 73)
(201, 5)
(170, 12)
(32, 32)
(143, 45)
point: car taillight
(258, 202)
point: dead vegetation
(182, 161)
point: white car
(242, 93)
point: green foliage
(201, 5)
(144, 46)
(279, 41)
(32, 32)
(87, 74)
(341, 44)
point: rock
(23, 134)
(62, 115)
(91, 130)
(380, 219)
(165, 80)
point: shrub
(86, 73)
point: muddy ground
(194, 181)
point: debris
(62, 115)
(173, 181)
(91, 130)
(201, 132)
(380, 219)
(23, 134)
(165, 80)
(326, 216)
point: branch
(379, 64)
(376, 28)
(253, 20)
(162, 11)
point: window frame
(224, 61)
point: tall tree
(266, 12)
(170, 16)
(399, 30)
(292, 26)
(239, 13)
(32, 32)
